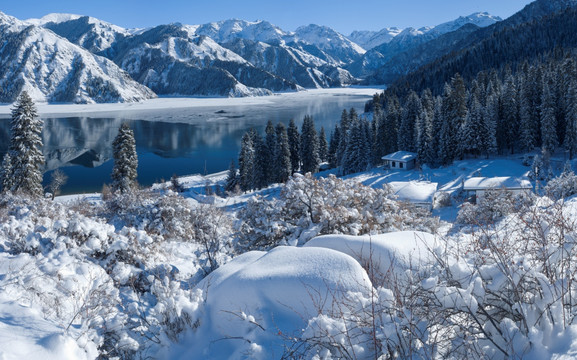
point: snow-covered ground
(80, 276)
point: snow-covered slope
(52, 69)
(292, 64)
(171, 59)
(338, 49)
(370, 39)
(92, 34)
(229, 30)
(411, 38)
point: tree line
(502, 112)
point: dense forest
(500, 111)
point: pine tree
(409, 118)
(6, 174)
(309, 146)
(260, 165)
(26, 148)
(294, 139)
(232, 178)
(548, 119)
(270, 144)
(510, 114)
(246, 163)
(472, 134)
(345, 125)
(571, 120)
(453, 112)
(323, 146)
(333, 146)
(355, 158)
(282, 162)
(124, 172)
(392, 119)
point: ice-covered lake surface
(173, 135)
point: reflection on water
(173, 141)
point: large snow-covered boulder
(261, 298)
(388, 253)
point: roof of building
(505, 182)
(404, 156)
(414, 191)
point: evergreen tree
(333, 146)
(309, 146)
(357, 152)
(25, 148)
(6, 174)
(124, 172)
(246, 163)
(345, 125)
(571, 120)
(472, 132)
(282, 162)
(323, 146)
(453, 114)
(548, 119)
(270, 144)
(232, 178)
(510, 114)
(261, 161)
(409, 118)
(392, 119)
(294, 139)
(527, 140)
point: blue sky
(342, 15)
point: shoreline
(169, 102)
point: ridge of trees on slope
(509, 46)
(498, 112)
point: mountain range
(73, 58)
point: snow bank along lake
(173, 135)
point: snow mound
(391, 252)
(260, 298)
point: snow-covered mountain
(226, 58)
(51, 68)
(369, 39)
(229, 30)
(92, 34)
(290, 63)
(411, 38)
(172, 59)
(481, 19)
(338, 48)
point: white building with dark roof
(403, 160)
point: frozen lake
(173, 135)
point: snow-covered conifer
(124, 172)
(323, 145)
(232, 178)
(309, 146)
(26, 147)
(294, 139)
(246, 162)
(282, 160)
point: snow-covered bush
(494, 206)
(310, 206)
(112, 288)
(562, 186)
